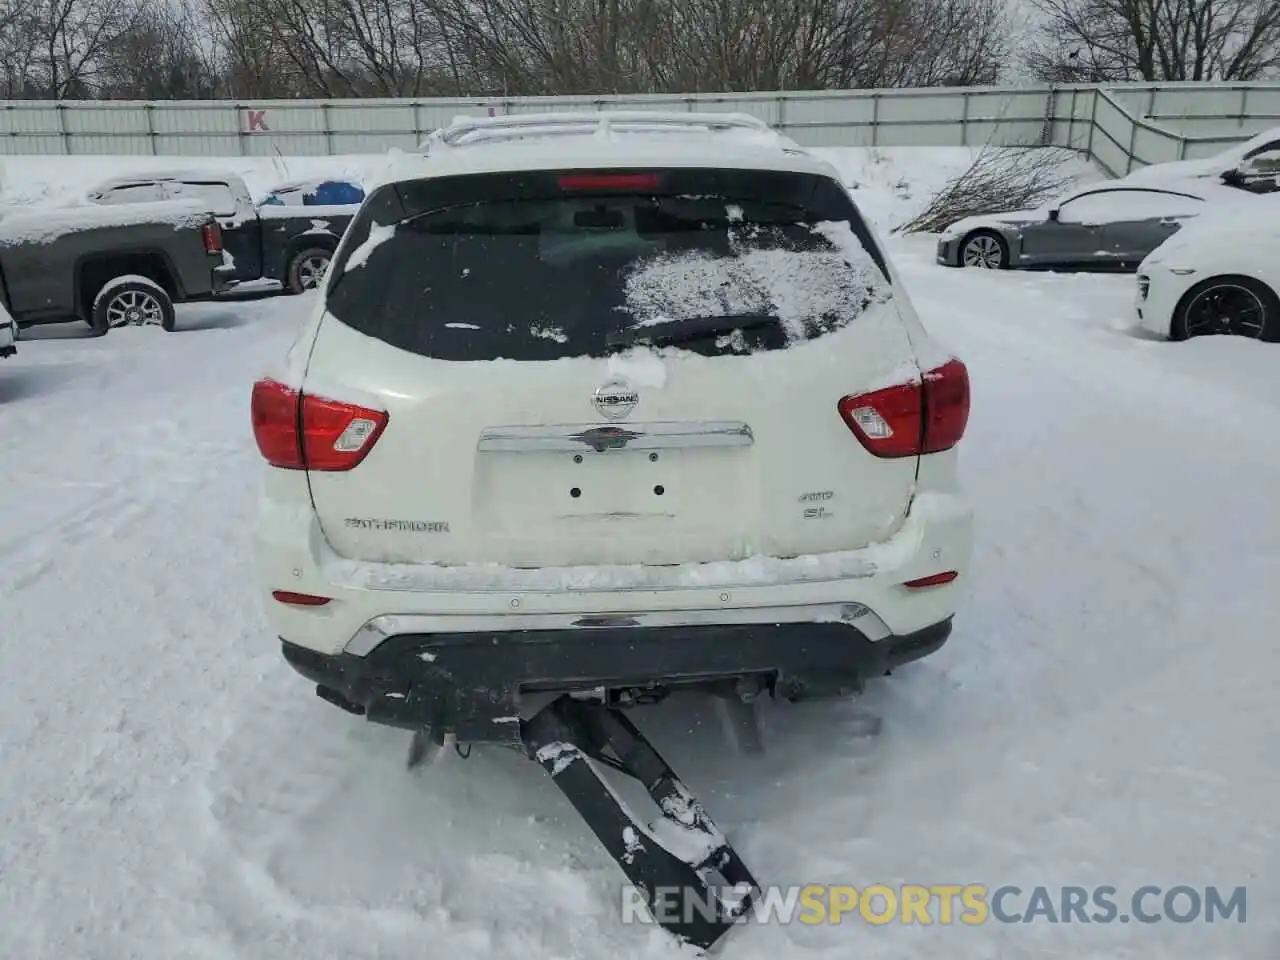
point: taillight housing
(211, 234)
(912, 419)
(297, 431)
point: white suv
(608, 404)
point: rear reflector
(936, 580)
(910, 419)
(608, 181)
(297, 431)
(211, 233)
(299, 599)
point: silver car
(1108, 226)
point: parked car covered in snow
(273, 242)
(1221, 275)
(1252, 165)
(109, 267)
(1108, 226)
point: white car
(1252, 163)
(1218, 275)
(8, 334)
(608, 407)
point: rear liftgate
(706, 885)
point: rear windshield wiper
(690, 328)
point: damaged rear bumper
(480, 684)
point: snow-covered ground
(1105, 713)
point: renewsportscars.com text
(948, 904)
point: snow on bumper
(8, 335)
(293, 555)
(1156, 297)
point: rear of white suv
(613, 413)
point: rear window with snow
(540, 266)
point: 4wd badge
(615, 399)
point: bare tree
(1118, 40)
(999, 180)
(164, 54)
(390, 48)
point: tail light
(912, 419)
(211, 233)
(297, 431)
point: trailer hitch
(682, 856)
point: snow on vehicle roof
(149, 176)
(1206, 167)
(46, 224)
(752, 151)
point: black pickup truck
(281, 244)
(109, 267)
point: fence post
(875, 119)
(328, 128)
(782, 112)
(1244, 105)
(964, 119)
(63, 136)
(1071, 121)
(1133, 143)
(1093, 122)
(148, 110)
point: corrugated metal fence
(1121, 127)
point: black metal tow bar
(707, 879)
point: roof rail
(465, 130)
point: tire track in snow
(314, 827)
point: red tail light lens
(608, 181)
(299, 599)
(274, 409)
(211, 233)
(946, 404)
(297, 431)
(888, 421)
(911, 419)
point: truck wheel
(124, 303)
(307, 269)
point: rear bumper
(293, 555)
(479, 685)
